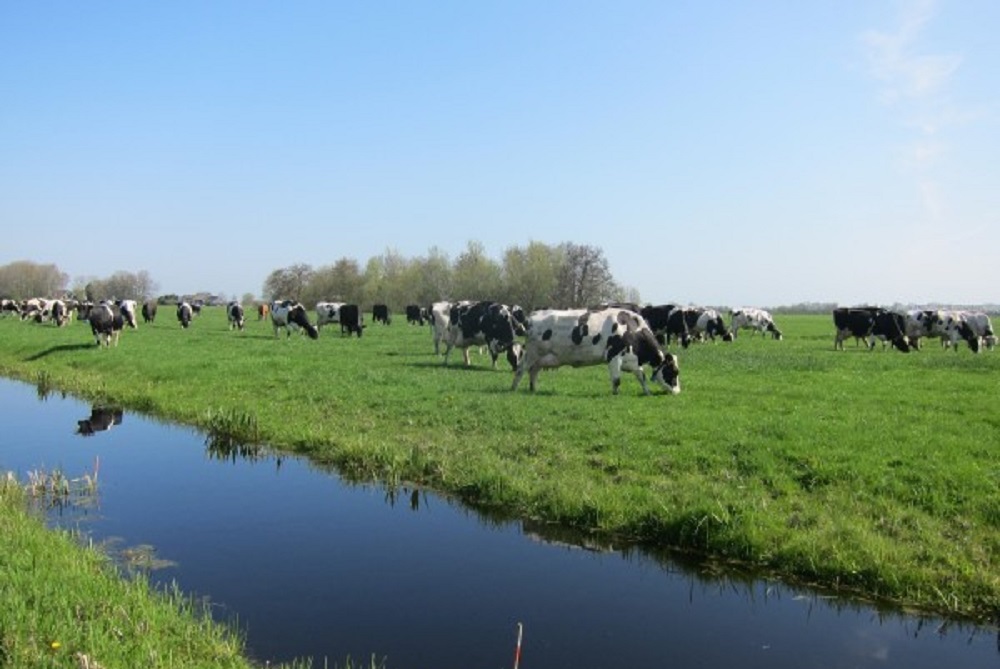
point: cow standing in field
(756, 320)
(381, 314)
(489, 324)
(263, 311)
(327, 312)
(440, 319)
(706, 323)
(234, 313)
(185, 314)
(60, 313)
(149, 311)
(351, 320)
(128, 309)
(106, 323)
(619, 338)
(288, 314)
(870, 323)
(415, 314)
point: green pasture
(872, 473)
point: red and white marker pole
(517, 651)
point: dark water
(309, 565)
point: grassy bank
(874, 473)
(64, 606)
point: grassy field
(876, 474)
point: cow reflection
(101, 419)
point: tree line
(534, 276)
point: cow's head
(297, 315)
(668, 375)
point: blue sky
(728, 153)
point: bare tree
(529, 275)
(287, 283)
(583, 276)
(23, 279)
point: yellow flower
(55, 645)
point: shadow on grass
(59, 349)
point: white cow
(129, 311)
(754, 319)
(619, 338)
(328, 312)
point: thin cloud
(893, 58)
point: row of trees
(24, 279)
(533, 276)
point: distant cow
(619, 338)
(60, 313)
(106, 323)
(234, 312)
(351, 320)
(489, 324)
(149, 311)
(9, 307)
(129, 311)
(974, 327)
(757, 320)
(288, 314)
(263, 311)
(185, 313)
(870, 323)
(415, 314)
(381, 314)
(706, 323)
(327, 312)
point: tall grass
(870, 472)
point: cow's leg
(615, 372)
(465, 356)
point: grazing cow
(185, 314)
(757, 320)
(288, 314)
(101, 419)
(870, 323)
(128, 309)
(489, 324)
(234, 312)
(919, 323)
(106, 323)
(263, 311)
(9, 308)
(708, 323)
(351, 320)
(972, 326)
(60, 313)
(149, 311)
(619, 338)
(415, 314)
(381, 314)
(327, 312)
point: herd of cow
(625, 337)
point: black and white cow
(288, 314)
(106, 323)
(619, 338)
(381, 314)
(149, 311)
(870, 323)
(415, 314)
(101, 419)
(440, 320)
(327, 312)
(9, 307)
(129, 310)
(756, 320)
(485, 323)
(60, 313)
(351, 320)
(185, 314)
(706, 323)
(234, 312)
(974, 327)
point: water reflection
(101, 419)
(313, 566)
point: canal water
(308, 565)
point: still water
(310, 565)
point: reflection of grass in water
(141, 557)
(233, 434)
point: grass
(875, 474)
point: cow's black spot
(596, 339)
(579, 332)
(547, 335)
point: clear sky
(726, 153)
